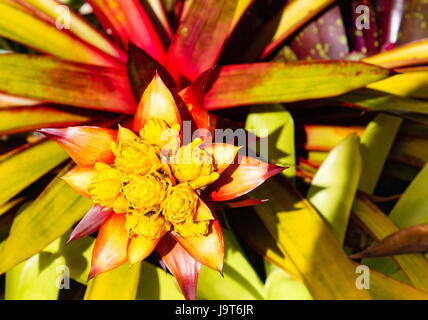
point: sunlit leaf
(334, 186)
(408, 84)
(241, 7)
(376, 143)
(409, 54)
(325, 137)
(20, 25)
(240, 280)
(78, 26)
(302, 234)
(35, 279)
(157, 284)
(286, 82)
(118, 284)
(274, 123)
(381, 287)
(293, 16)
(55, 80)
(46, 219)
(22, 119)
(279, 286)
(22, 168)
(411, 210)
(381, 101)
(12, 101)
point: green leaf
(118, 284)
(302, 235)
(381, 101)
(157, 284)
(38, 277)
(294, 15)
(258, 83)
(51, 79)
(77, 254)
(381, 286)
(415, 266)
(326, 137)
(240, 281)
(275, 123)
(20, 24)
(334, 186)
(35, 279)
(376, 143)
(279, 286)
(411, 150)
(409, 54)
(79, 27)
(386, 288)
(408, 84)
(23, 167)
(22, 119)
(54, 212)
(411, 209)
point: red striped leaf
(201, 36)
(55, 80)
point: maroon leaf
(409, 240)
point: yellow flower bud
(151, 225)
(106, 186)
(120, 205)
(191, 163)
(145, 192)
(180, 203)
(135, 157)
(190, 228)
(157, 133)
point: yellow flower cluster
(155, 182)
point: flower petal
(110, 247)
(184, 268)
(223, 154)
(79, 178)
(140, 248)
(85, 145)
(157, 102)
(91, 222)
(241, 178)
(203, 212)
(209, 249)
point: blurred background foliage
(356, 168)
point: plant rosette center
(155, 182)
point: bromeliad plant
(149, 189)
(94, 76)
